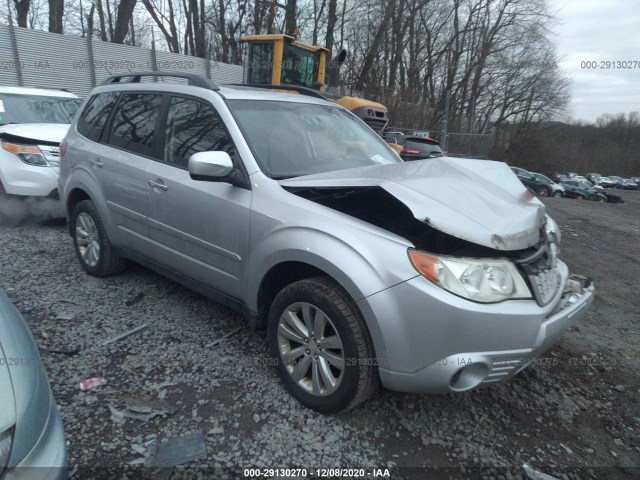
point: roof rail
(194, 80)
(295, 88)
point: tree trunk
(125, 13)
(103, 28)
(332, 18)
(22, 11)
(56, 10)
(290, 17)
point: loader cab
(282, 60)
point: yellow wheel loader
(282, 62)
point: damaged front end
(474, 231)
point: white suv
(33, 122)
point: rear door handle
(158, 185)
(96, 163)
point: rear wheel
(323, 351)
(93, 249)
(557, 194)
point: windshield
(291, 139)
(37, 109)
(299, 66)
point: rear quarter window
(95, 114)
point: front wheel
(542, 191)
(321, 345)
(557, 194)
(93, 249)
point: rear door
(198, 228)
(133, 142)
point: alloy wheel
(311, 349)
(88, 239)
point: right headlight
(485, 280)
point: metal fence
(33, 58)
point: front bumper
(430, 341)
(47, 460)
(19, 178)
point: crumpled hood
(40, 132)
(480, 201)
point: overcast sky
(600, 31)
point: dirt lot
(574, 414)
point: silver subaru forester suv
(431, 276)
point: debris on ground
(535, 474)
(135, 299)
(142, 409)
(163, 457)
(124, 334)
(92, 382)
(222, 338)
(65, 351)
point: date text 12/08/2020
(316, 473)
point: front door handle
(158, 185)
(96, 163)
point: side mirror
(210, 166)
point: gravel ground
(574, 414)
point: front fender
(362, 268)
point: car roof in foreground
(42, 92)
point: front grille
(52, 154)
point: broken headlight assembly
(29, 154)
(552, 230)
(484, 280)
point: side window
(261, 64)
(193, 126)
(135, 121)
(94, 116)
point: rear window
(95, 115)
(425, 146)
(16, 108)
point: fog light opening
(469, 376)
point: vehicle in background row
(556, 189)
(582, 190)
(606, 182)
(363, 269)
(611, 198)
(594, 178)
(33, 122)
(627, 184)
(32, 443)
(415, 148)
(541, 188)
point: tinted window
(95, 114)
(260, 67)
(15, 108)
(193, 126)
(134, 123)
(425, 146)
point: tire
(557, 194)
(542, 191)
(93, 249)
(320, 301)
